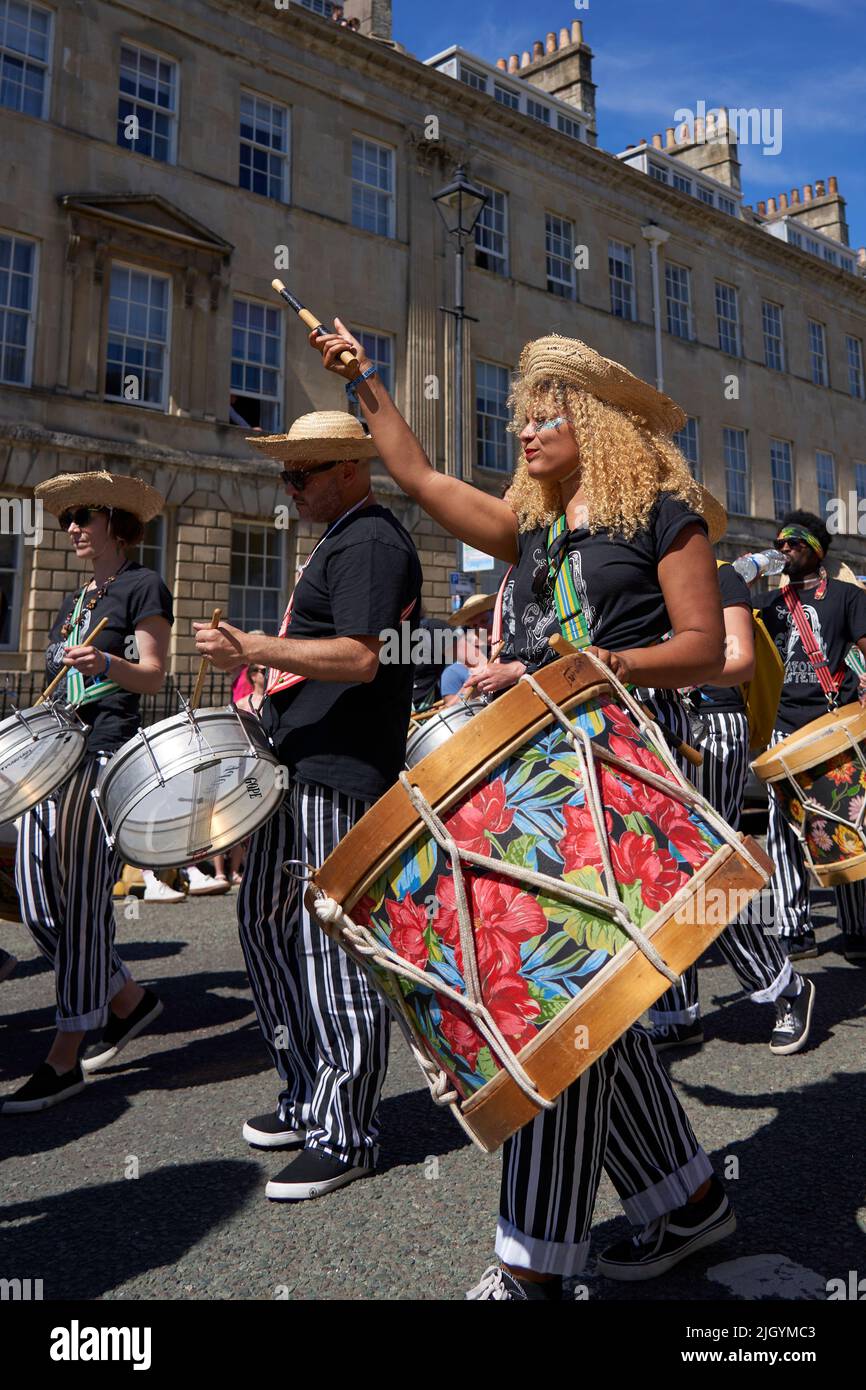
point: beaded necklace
(71, 620)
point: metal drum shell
(46, 722)
(130, 777)
(440, 728)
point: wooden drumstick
(66, 669)
(311, 321)
(563, 647)
(199, 682)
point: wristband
(352, 386)
(107, 666)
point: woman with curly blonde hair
(601, 488)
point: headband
(800, 533)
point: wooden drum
(818, 776)
(527, 890)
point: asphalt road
(142, 1187)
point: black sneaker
(499, 1283)
(799, 947)
(7, 965)
(119, 1032)
(45, 1088)
(853, 946)
(270, 1132)
(668, 1035)
(793, 1017)
(671, 1238)
(312, 1174)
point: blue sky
(806, 57)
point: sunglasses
(256, 670)
(82, 516)
(790, 545)
(298, 477)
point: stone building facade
(165, 162)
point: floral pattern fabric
(534, 953)
(839, 787)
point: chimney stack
(563, 69)
(373, 16)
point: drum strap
(77, 692)
(829, 683)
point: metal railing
(23, 688)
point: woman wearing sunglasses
(600, 468)
(65, 871)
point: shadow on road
(86, 1242)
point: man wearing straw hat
(339, 719)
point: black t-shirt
(137, 593)
(837, 619)
(728, 698)
(358, 583)
(616, 579)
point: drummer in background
(597, 448)
(64, 870)
(475, 617)
(339, 719)
(756, 957)
(837, 614)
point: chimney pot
(564, 37)
(501, 64)
(861, 256)
(807, 193)
(819, 188)
(537, 50)
(833, 184)
(513, 62)
(783, 202)
(550, 44)
(576, 31)
(657, 141)
(684, 134)
(762, 209)
(700, 131)
(525, 59)
(795, 197)
(669, 137)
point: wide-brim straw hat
(576, 364)
(713, 513)
(839, 570)
(322, 437)
(472, 609)
(100, 489)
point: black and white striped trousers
(324, 1024)
(620, 1115)
(790, 881)
(65, 873)
(755, 956)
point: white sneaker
(155, 891)
(205, 883)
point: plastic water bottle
(759, 563)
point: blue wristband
(107, 663)
(352, 386)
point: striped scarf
(566, 600)
(77, 692)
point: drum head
(199, 812)
(32, 768)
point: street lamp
(460, 205)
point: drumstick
(66, 669)
(310, 320)
(199, 682)
(563, 647)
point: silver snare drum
(39, 748)
(436, 730)
(190, 786)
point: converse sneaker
(312, 1174)
(853, 947)
(668, 1035)
(499, 1283)
(671, 1238)
(799, 947)
(120, 1031)
(793, 1017)
(200, 883)
(45, 1088)
(155, 891)
(270, 1132)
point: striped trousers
(65, 873)
(790, 881)
(323, 1023)
(621, 1116)
(755, 956)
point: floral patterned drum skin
(818, 776)
(538, 954)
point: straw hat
(322, 437)
(713, 513)
(100, 490)
(839, 570)
(574, 363)
(472, 609)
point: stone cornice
(131, 451)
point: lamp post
(459, 205)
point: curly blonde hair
(624, 464)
